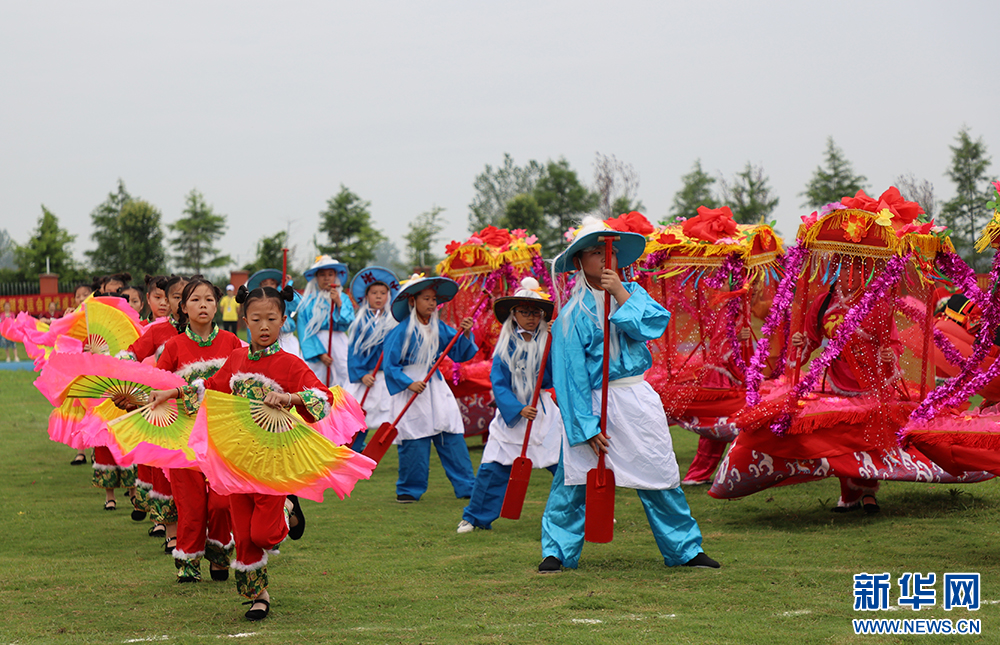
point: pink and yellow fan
(345, 419)
(244, 446)
(155, 437)
(95, 376)
(72, 423)
(111, 327)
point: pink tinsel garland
(876, 291)
(731, 274)
(962, 276)
(958, 389)
(780, 313)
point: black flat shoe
(79, 460)
(183, 579)
(844, 509)
(702, 561)
(254, 615)
(295, 532)
(406, 499)
(111, 505)
(137, 515)
(157, 531)
(872, 507)
(169, 548)
(220, 575)
(550, 564)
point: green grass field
(369, 570)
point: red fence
(38, 305)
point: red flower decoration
(903, 212)
(494, 236)
(710, 224)
(634, 222)
(667, 239)
(452, 247)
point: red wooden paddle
(378, 364)
(387, 432)
(329, 346)
(520, 470)
(599, 522)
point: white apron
(289, 342)
(641, 452)
(433, 412)
(505, 442)
(378, 407)
(338, 371)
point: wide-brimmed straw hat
(628, 247)
(326, 262)
(530, 294)
(444, 288)
(372, 274)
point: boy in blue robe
(638, 447)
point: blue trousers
(359, 441)
(676, 532)
(415, 458)
(488, 494)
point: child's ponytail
(241, 294)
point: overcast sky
(267, 108)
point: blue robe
(315, 345)
(394, 362)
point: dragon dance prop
(858, 290)
(492, 260)
(716, 277)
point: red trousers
(258, 525)
(201, 513)
(706, 460)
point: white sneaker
(465, 527)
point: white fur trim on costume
(126, 355)
(239, 566)
(181, 555)
(200, 384)
(143, 484)
(200, 366)
(224, 547)
(106, 466)
(154, 495)
(247, 376)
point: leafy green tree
(524, 212)
(108, 257)
(141, 230)
(196, 233)
(495, 187)
(47, 242)
(966, 214)
(835, 180)
(749, 196)
(422, 237)
(269, 253)
(350, 234)
(696, 190)
(564, 200)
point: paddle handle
(378, 364)
(538, 391)
(329, 346)
(284, 268)
(609, 255)
(440, 358)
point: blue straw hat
(629, 247)
(326, 262)
(445, 288)
(368, 275)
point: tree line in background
(545, 199)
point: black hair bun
(288, 293)
(241, 294)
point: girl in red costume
(868, 364)
(265, 373)
(153, 492)
(197, 353)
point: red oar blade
(599, 525)
(380, 442)
(517, 488)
